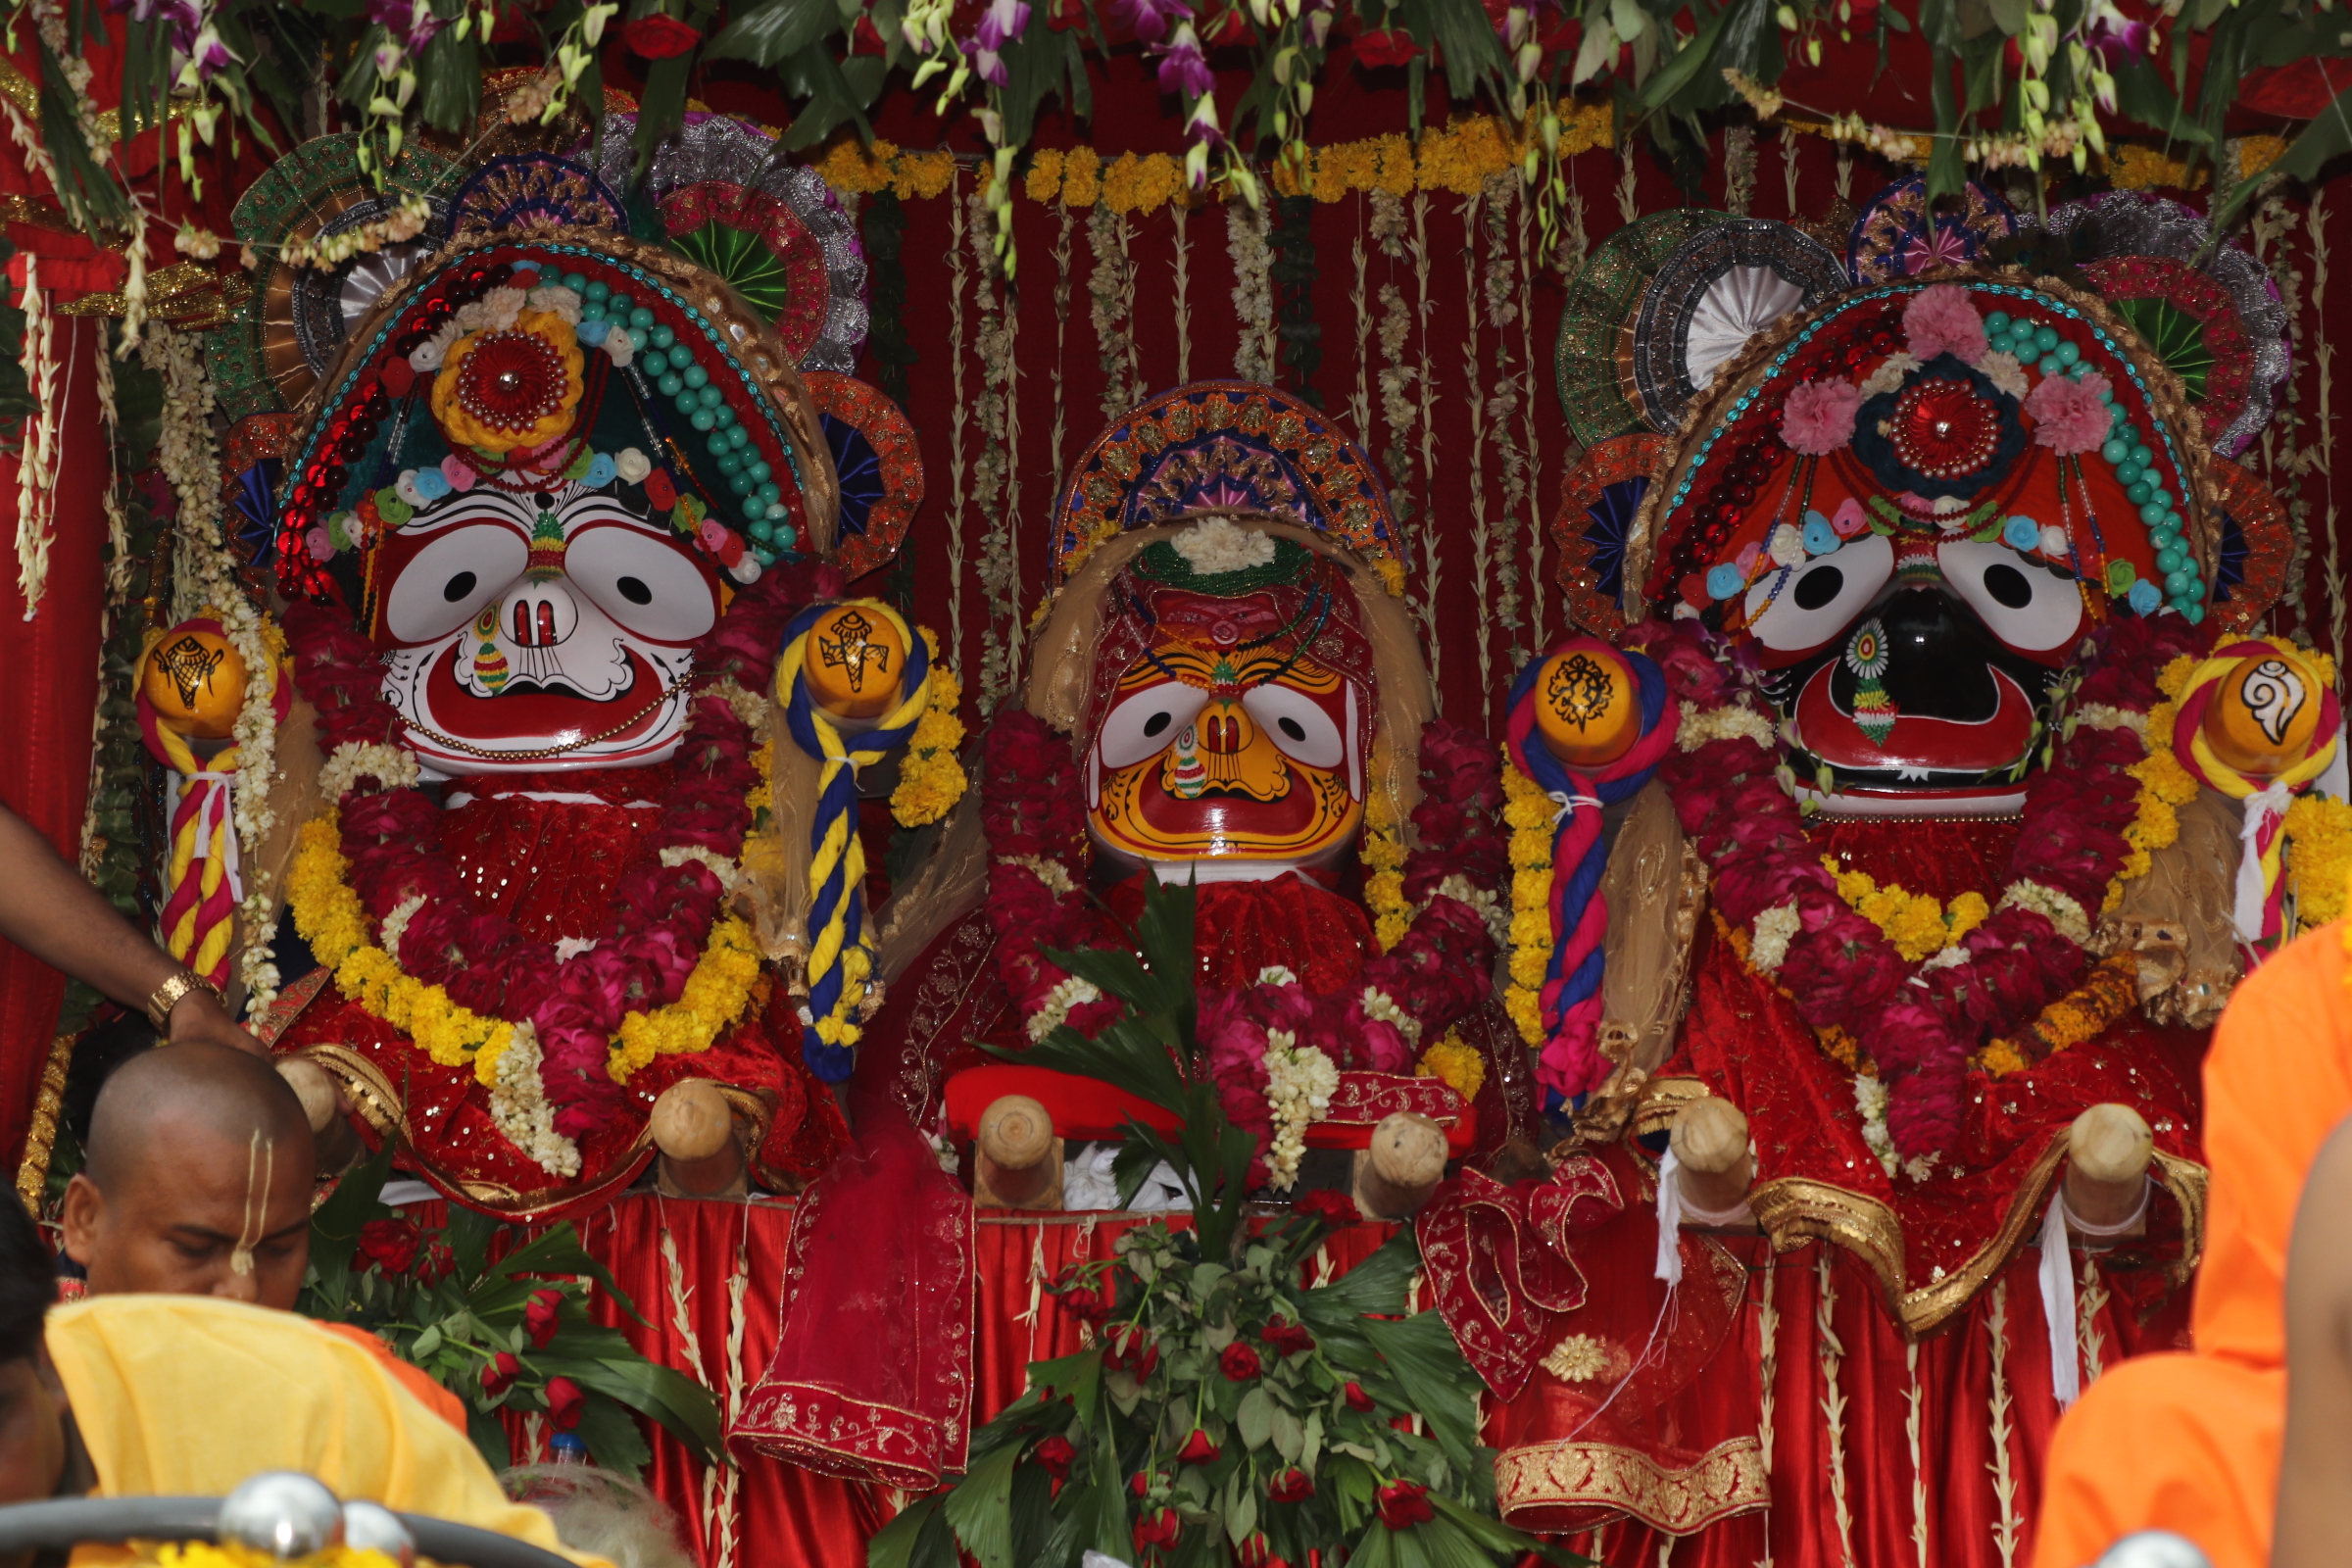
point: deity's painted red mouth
(539, 715)
(1916, 742)
(1219, 821)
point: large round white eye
(2023, 603)
(447, 583)
(1820, 599)
(1147, 722)
(646, 585)
(1303, 731)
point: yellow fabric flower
(515, 362)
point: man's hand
(197, 1018)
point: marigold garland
(1528, 812)
(1914, 922)
(931, 777)
(1457, 1062)
(1383, 855)
(2319, 858)
(2110, 991)
(329, 916)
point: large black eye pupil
(635, 592)
(2008, 585)
(457, 587)
(1818, 587)
(1159, 721)
(1290, 728)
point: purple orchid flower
(1000, 25)
(411, 21)
(1183, 68)
(2120, 41)
(1149, 20)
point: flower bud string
(1571, 1062)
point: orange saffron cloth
(2191, 1441)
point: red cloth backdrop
(52, 663)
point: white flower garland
(2052, 906)
(1252, 292)
(207, 581)
(36, 470)
(1704, 726)
(518, 1106)
(1774, 929)
(729, 874)
(1300, 1083)
(395, 924)
(1052, 872)
(2100, 716)
(393, 768)
(1071, 993)
(1870, 1099)
(1381, 1007)
(1485, 901)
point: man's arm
(2315, 1473)
(49, 910)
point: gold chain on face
(541, 754)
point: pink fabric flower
(1941, 320)
(1848, 519)
(2067, 416)
(1819, 418)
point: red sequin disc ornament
(1943, 429)
(511, 380)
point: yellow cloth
(189, 1395)
(2192, 1443)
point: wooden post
(1710, 1143)
(694, 1127)
(1395, 1175)
(1017, 1160)
(2108, 1153)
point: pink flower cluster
(1819, 417)
(652, 937)
(2068, 415)
(1941, 319)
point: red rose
(1140, 1483)
(1287, 1338)
(398, 376)
(1257, 1551)
(1083, 1297)
(1386, 47)
(438, 1264)
(659, 37)
(1197, 1449)
(867, 40)
(1230, 28)
(1055, 1454)
(1239, 1363)
(1130, 1351)
(1357, 1398)
(563, 1401)
(1157, 1530)
(1403, 1505)
(1292, 1486)
(499, 1375)
(539, 1315)
(660, 491)
(1326, 1208)
(390, 1245)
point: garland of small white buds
(1300, 1083)
(206, 584)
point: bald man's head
(197, 1180)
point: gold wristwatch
(171, 993)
